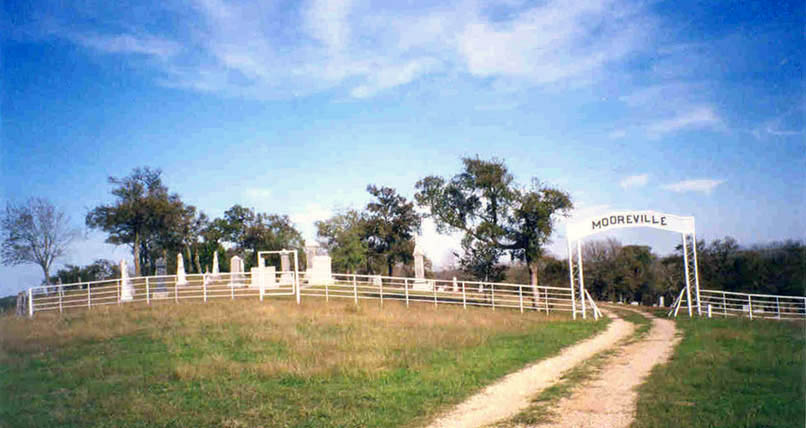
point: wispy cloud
(129, 44)
(553, 41)
(634, 181)
(696, 118)
(700, 185)
(262, 50)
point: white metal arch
(578, 230)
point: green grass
(729, 373)
(272, 364)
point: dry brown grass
(349, 339)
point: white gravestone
(311, 251)
(286, 276)
(661, 302)
(264, 277)
(419, 270)
(236, 272)
(215, 265)
(181, 278)
(320, 272)
(377, 281)
(126, 288)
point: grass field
(267, 364)
(729, 373)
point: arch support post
(686, 274)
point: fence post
(709, 310)
(492, 294)
(381, 286)
(355, 290)
(434, 289)
(327, 296)
(724, 305)
(546, 301)
(30, 303)
(520, 296)
(176, 291)
(750, 305)
(231, 289)
(118, 290)
(89, 296)
(148, 293)
(778, 305)
(204, 287)
(464, 296)
(60, 299)
(406, 287)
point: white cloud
(697, 118)
(552, 42)
(326, 21)
(129, 44)
(389, 77)
(265, 50)
(634, 181)
(701, 185)
(305, 218)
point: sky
(687, 107)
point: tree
(344, 237)
(391, 225)
(35, 232)
(481, 260)
(250, 232)
(483, 202)
(143, 216)
(99, 270)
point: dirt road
(514, 392)
(608, 400)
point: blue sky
(694, 108)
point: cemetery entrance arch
(576, 231)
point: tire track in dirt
(609, 399)
(515, 391)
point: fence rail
(716, 303)
(204, 287)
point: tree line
(504, 226)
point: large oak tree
(484, 203)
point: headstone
(126, 288)
(455, 285)
(181, 278)
(311, 251)
(321, 271)
(419, 269)
(215, 265)
(286, 276)
(162, 271)
(236, 272)
(660, 303)
(264, 276)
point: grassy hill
(246, 363)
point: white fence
(161, 289)
(715, 303)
